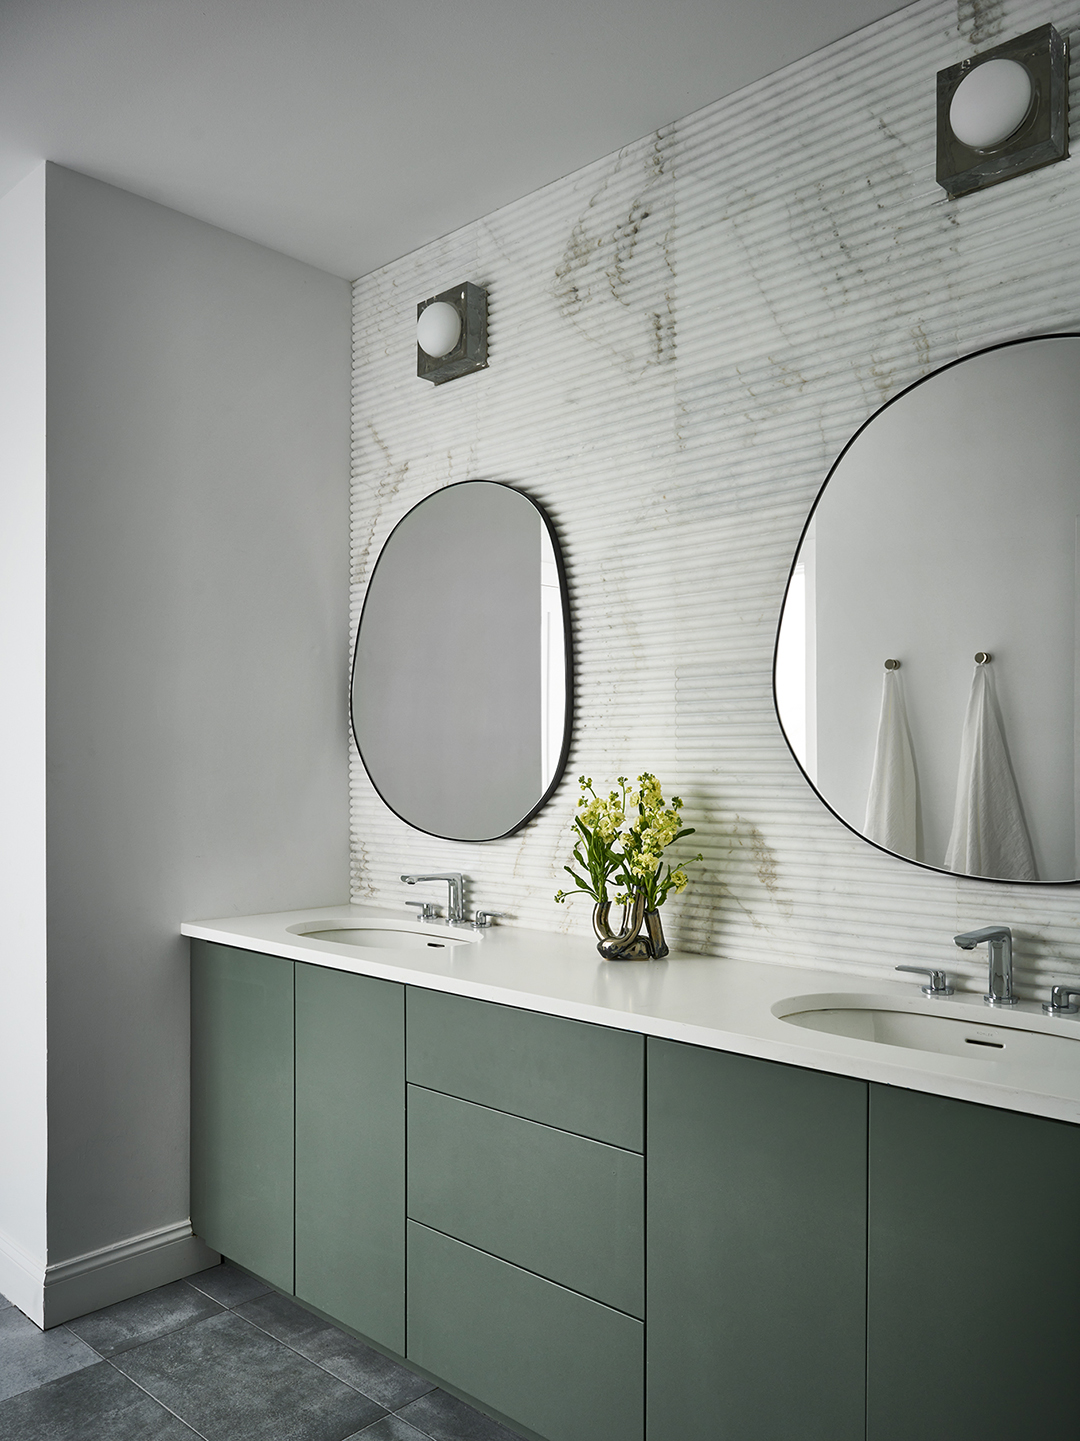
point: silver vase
(629, 944)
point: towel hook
(982, 656)
(892, 665)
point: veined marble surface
(726, 1005)
(683, 336)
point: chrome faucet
(1060, 1002)
(455, 910)
(999, 944)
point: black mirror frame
(931, 375)
(568, 651)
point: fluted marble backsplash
(682, 337)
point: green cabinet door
(974, 1272)
(756, 1250)
(242, 1107)
(350, 1150)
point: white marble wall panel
(683, 336)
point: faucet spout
(455, 910)
(999, 947)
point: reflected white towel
(989, 836)
(890, 806)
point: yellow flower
(650, 789)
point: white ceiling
(348, 132)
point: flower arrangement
(632, 857)
(598, 827)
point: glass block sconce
(451, 334)
(1003, 112)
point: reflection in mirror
(461, 694)
(948, 527)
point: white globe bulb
(990, 103)
(438, 329)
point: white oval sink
(383, 935)
(874, 1019)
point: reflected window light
(552, 662)
(791, 665)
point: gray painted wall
(197, 643)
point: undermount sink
(1021, 1039)
(384, 935)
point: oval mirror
(461, 692)
(948, 529)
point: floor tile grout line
(175, 1330)
(156, 1400)
(419, 1431)
(312, 1362)
(65, 1327)
(426, 1434)
(482, 1414)
(172, 1331)
(389, 1410)
(109, 1361)
(234, 1310)
(63, 1375)
(227, 1306)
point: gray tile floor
(218, 1356)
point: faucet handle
(939, 981)
(428, 911)
(484, 919)
(1059, 1003)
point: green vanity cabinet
(526, 1214)
(756, 1276)
(974, 1272)
(298, 1131)
(350, 1150)
(606, 1238)
(242, 1107)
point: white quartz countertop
(704, 1000)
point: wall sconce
(1003, 112)
(451, 334)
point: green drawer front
(582, 1078)
(558, 1363)
(566, 1207)
(350, 1150)
(242, 1107)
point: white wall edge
(113, 1273)
(22, 1278)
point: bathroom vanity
(614, 1201)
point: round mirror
(948, 528)
(461, 687)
